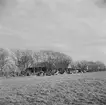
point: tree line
(23, 62)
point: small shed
(69, 66)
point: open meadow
(74, 89)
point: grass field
(74, 89)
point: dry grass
(57, 90)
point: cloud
(76, 27)
(21, 1)
(63, 47)
(10, 41)
(103, 49)
(101, 3)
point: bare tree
(3, 59)
(81, 66)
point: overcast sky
(75, 27)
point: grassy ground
(76, 89)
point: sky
(74, 27)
